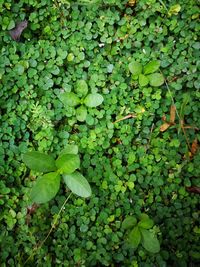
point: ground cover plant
(117, 83)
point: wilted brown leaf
(172, 114)
(194, 146)
(193, 189)
(17, 31)
(164, 126)
(131, 2)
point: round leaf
(68, 163)
(151, 67)
(150, 241)
(156, 79)
(135, 68)
(93, 100)
(146, 223)
(129, 222)
(39, 162)
(77, 184)
(134, 237)
(82, 87)
(81, 113)
(45, 188)
(70, 99)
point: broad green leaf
(151, 67)
(146, 223)
(150, 241)
(134, 237)
(156, 79)
(81, 113)
(68, 163)
(93, 100)
(70, 99)
(77, 184)
(135, 68)
(69, 149)
(129, 222)
(45, 188)
(143, 80)
(81, 87)
(39, 162)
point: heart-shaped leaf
(156, 79)
(78, 184)
(150, 241)
(151, 67)
(81, 87)
(135, 68)
(129, 222)
(68, 163)
(93, 100)
(45, 188)
(39, 162)
(134, 237)
(70, 99)
(143, 80)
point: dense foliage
(120, 80)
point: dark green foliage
(132, 166)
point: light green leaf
(146, 223)
(77, 184)
(81, 87)
(129, 222)
(81, 113)
(39, 162)
(174, 10)
(150, 241)
(151, 67)
(134, 237)
(69, 149)
(45, 188)
(68, 163)
(156, 79)
(143, 80)
(70, 99)
(93, 100)
(135, 68)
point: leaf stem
(38, 246)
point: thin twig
(126, 117)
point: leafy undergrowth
(120, 80)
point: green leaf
(77, 184)
(150, 241)
(70, 99)
(129, 222)
(135, 68)
(146, 223)
(39, 162)
(81, 113)
(134, 237)
(174, 10)
(93, 100)
(68, 163)
(151, 67)
(45, 188)
(81, 87)
(143, 80)
(156, 79)
(69, 149)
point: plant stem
(38, 246)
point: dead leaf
(172, 114)
(17, 31)
(126, 117)
(194, 146)
(164, 126)
(131, 2)
(164, 118)
(193, 189)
